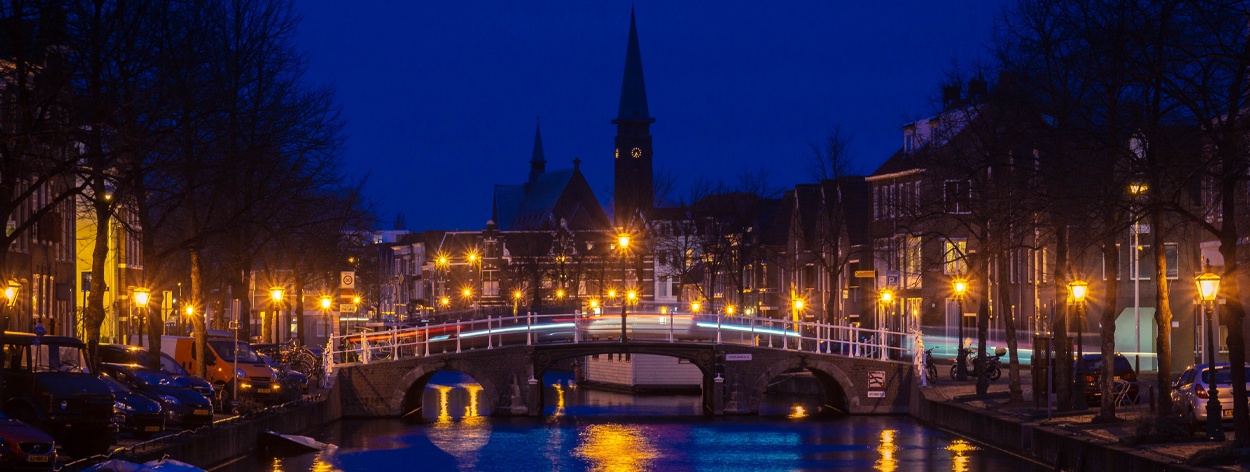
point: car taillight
(1089, 378)
(1130, 376)
(1202, 392)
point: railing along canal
(605, 327)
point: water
(601, 431)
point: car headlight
(122, 406)
(240, 374)
(169, 399)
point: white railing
(605, 327)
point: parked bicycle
(930, 369)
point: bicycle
(931, 373)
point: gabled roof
(898, 163)
(559, 194)
(508, 200)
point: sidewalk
(1075, 423)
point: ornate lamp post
(1208, 289)
(276, 294)
(623, 247)
(961, 357)
(1079, 289)
(10, 296)
(142, 295)
(326, 302)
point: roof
(28, 338)
(898, 163)
(633, 90)
(542, 198)
(508, 200)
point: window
(809, 277)
(958, 196)
(876, 203)
(1171, 257)
(911, 262)
(956, 253)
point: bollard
(394, 343)
(529, 328)
(457, 337)
(427, 341)
(670, 327)
(718, 330)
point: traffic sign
(865, 274)
(347, 308)
(347, 279)
(347, 295)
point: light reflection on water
(602, 431)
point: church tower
(633, 186)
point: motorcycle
(993, 364)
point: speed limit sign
(347, 279)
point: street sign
(347, 279)
(865, 274)
(892, 278)
(347, 295)
(347, 308)
(876, 384)
(737, 357)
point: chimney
(950, 94)
(976, 87)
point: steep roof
(559, 194)
(508, 200)
(633, 91)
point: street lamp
(10, 292)
(276, 294)
(729, 310)
(694, 307)
(961, 357)
(1079, 290)
(516, 301)
(1208, 289)
(623, 246)
(326, 302)
(141, 302)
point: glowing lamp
(516, 294)
(631, 295)
(695, 306)
(623, 241)
(276, 293)
(961, 287)
(10, 292)
(594, 303)
(142, 295)
(887, 296)
(190, 310)
(1208, 285)
(325, 303)
(1079, 289)
(729, 309)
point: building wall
(611, 369)
(663, 370)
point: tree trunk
(1062, 377)
(1232, 313)
(983, 322)
(1163, 316)
(245, 304)
(156, 328)
(198, 325)
(1009, 322)
(1111, 254)
(95, 314)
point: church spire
(538, 164)
(633, 91)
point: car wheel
(996, 374)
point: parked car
(1089, 374)
(183, 407)
(50, 386)
(230, 362)
(25, 447)
(140, 416)
(1191, 392)
(123, 354)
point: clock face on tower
(636, 153)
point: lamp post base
(1215, 418)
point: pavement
(1076, 422)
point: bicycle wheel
(931, 374)
(996, 374)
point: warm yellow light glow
(472, 257)
(472, 408)
(559, 293)
(887, 296)
(351, 260)
(799, 412)
(190, 310)
(614, 447)
(729, 309)
(631, 295)
(961, 448)
(612, 293)
(887, 449)
(961, 286)
(276, 293)
(594, 303)
(516, 294)
(443, 415)
(325, 302)
(1137, 188)
(141, 297)
(1208, 286)
(1079, 290)
(10, 292)
(623, 241)
(442, 261)
(467, 293)
(356, 300)
(445, 301)
(798, 304)
(695, 306)
(663, 310)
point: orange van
(231, 364)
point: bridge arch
(701, 356)
(840, 392)
(410, 392)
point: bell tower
(633, 185)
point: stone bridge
(734, 377)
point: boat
(273, 444)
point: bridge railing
(531, 328)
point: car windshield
(1121, 364)
(153, 378)
(170, 366)
(1223, 375)
(227, 351)
(60, 358)
(113, 385)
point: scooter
(993, 364)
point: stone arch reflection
(458, 425)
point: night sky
(441, 97)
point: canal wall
(1055, 447)
(236, 437)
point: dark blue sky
(441, 97)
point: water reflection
(799, 412)
(887, 462)
(613, 447)
(961, 448)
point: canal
(586, 429)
